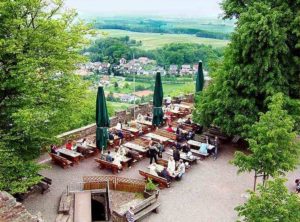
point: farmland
(157, 40)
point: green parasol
(158, 113)
(200, 78)
(102, 120)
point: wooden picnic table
(136, 147)
(74, 156)
(144, 122)
(183, 106)
(157, 137)
(183, 156)
(132, 130)
(124, 159)
(198, 144)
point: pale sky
(186, 8)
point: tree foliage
(17, 175)
(39, 94)
(261, 60)
(272, 143)
(272, 203)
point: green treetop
(272, 203)
(261, 60)
(39, 94)
(272, 143)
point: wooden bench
(42, 186)
(87, 152)
(145, 207)
(127, 135)
(167, 134)
(199, 154)
(140, 210)
(103, 164)
(163, 183)
(162, 162)
(61, 161)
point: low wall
(115, 183)
(125, 115)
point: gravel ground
(208, 192)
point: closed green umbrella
(158, 96)
(102, 120)
(200, 78)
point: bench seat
(163, 183)
(103, 164)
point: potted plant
(150, 189)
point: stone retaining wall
(13, 211)
(125, 115)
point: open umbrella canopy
(158, 96)
(200, 78)
(102, 120)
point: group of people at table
(176, 167)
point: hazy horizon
(161, 8)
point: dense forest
(113, 49)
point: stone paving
(208, 192)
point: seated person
(148, 117)
(188, 121)
(181, 169)
(69, 145)
(168, 100)
(83, 142)
(180, 121)
(110, 135)
(140, 117)
(190, 135)
(152, 169)
(122, 151)
(171, 165)
(176, 154)
(53, 149)
(126, 124)
(170, 129)
(203, 148)
(176, 109)
(186, 148)
(165, 174)
(119, 126)
(108, 157)
(117, 161)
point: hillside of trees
(113, 49)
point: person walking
(216, 144)
(153, 152)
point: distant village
(140, 66)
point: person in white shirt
(117, 161)
(152, 169)
(140, 117)
(181, 169)
(122, 151)
(168, 100)
(171, 165)
(84, 142)
(119, 126)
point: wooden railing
(115, 183)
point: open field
(157, 40)
(118, 106)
